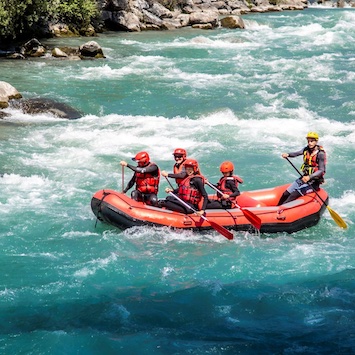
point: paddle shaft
(220, 192)
(226, 233)
(122, 178)
(185, 204)
(169, 182)
(250, 216)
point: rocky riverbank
(142, 15)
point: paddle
(338, 220)
(169, 182)
(220, 229)
(122, 178)
(250, 216)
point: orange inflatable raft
(121, 211)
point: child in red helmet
(146, 177)
(228, 185)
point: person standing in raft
(191, 190)
(313, 169)
(146, 177)
(228, 185)
(179, 169)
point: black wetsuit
(173, 204)
(149, 199)
(221, 203)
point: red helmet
(142, 158)
(226, 167)
(180, 151)
(193, 163)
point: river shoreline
(132, 16)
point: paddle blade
(338, 220)
(252, 218)
(225, 232)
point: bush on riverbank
(21, 19)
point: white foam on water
(95, 265)
(345, 204)
(79, 234)
(79, 145)
(254, 25)
(132, 65)
(17, 116)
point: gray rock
(204, 17)
(151, 18)
(58, 53)
(43, 105)
(91, 49)
(160, 11)
(126, 21)
(33, 48)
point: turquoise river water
(68, 287)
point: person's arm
(293, 154)
(130, 183)
(181, 175)
(232, 186)
(199, 184)
(150, 169)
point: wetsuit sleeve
(181, 175)
(231, 185)
(199, 184)
(321, 167)
(150, 169)
(130, 183)
(296, 154)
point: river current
(70, 287)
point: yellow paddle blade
(338, 220)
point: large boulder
(150, 18)
(33, 48)
(7, 92)
(91, 49)
(58, 53)
(122, 21)
(117, 5)
(44, 105)
(203, 17)
(160, 11)
(232, 22)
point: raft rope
(104, 194)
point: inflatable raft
(119, 210)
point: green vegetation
(23, 18)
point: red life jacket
(188, 192)
(311, 160)
(178, 170)
(221, 185)
(146, 183)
